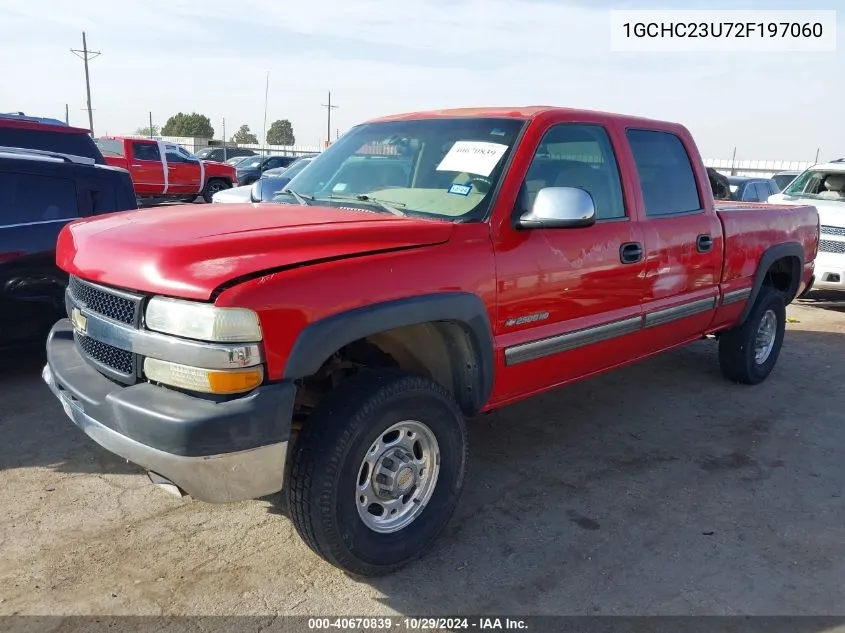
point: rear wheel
(748, 352)
(213, 186)
(377, 471)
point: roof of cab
(516, 112)
(27, 124)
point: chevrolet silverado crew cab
(823, 186)
(165, 171)
(428, 267)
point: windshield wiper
(300, 198)
(390, 207)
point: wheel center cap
(405, 479)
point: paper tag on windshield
(473, 157)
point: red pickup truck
(166, 171)
(426, 268)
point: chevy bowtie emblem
(80, 322)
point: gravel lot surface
(656, 489)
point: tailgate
(752, 228)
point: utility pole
(225, 153)
(151, 125)
(329, 107)
(86, 55)
(67, 115)
(266, 94)
(733, 162)
(818, 149)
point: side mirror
(559, 208)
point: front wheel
(748, 352)
(377, 471)
(214, 185)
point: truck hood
(214, 168)
(189, 250)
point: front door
(569, 299)
(183, 171)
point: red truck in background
(166, 171)
(332, 346)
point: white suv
(823, 186)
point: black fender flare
(769, 257)
(319, 340)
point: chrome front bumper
(214, 451)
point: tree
(146, 131)
(281, 133)
(194, 124)
(244, 136)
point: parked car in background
(237, 159)
(783, 178)
(40, 191)
(43, 134)
(751, 188)
(823, 186)
(434, 266)
(250, 169)
(165, 171)
(265, 188)
(222, 155)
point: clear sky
(384, 56)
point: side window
(35, 198)
(146, 151)
(174, 155)
(577, 155)
(749, 194)
(665, 172)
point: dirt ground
(656, 489)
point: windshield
(443, 168)
(204, 152)
(818, 184)
(251, 161)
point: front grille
(833, 230)
(123, 309)
(117, 360)
(829, 246)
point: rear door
(184, 173)
(683, 238)
(33, 209)
(147, 168)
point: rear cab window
(665, 172)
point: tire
(213, 186)
(738, 347)
(325, 484)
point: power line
(86, 56)
(329, 107)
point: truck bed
(751, 227)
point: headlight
(219, 381)
(203, 321)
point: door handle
(631, 253)
(703, 243)
(136, 165)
